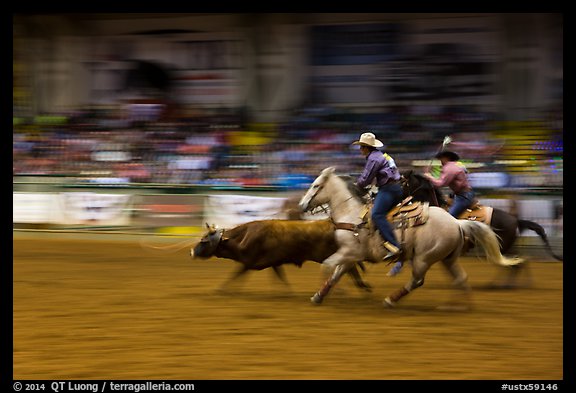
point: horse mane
(423, 180)
(357, 192)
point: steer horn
(211, 228)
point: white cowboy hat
(368, 139)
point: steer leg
(235, 276)
(280, 274)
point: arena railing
(179, 209)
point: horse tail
(485, 236)
(531, 225)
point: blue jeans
(388, 196)
(462, 201)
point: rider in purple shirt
(381, 168)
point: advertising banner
(90, 208)
(227, 211)
(71, 208)
(34, 208)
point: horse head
(405, 182)
(420, 188)
(317, 194)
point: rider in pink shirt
(455, 176)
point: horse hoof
(316, 299)
(223, 291)
(505, 285)
(453, 307)
(388, 303)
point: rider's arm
(367, 175)
(446, 177)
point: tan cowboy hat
(368, 139)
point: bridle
(318, 189)
(337, 225)
(323, 208)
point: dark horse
(505, 225)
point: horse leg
(419, 269)
(507, 239)
(461, 302)
(513, 277)
(510, 281)
(355, 274)
(337, 264)
(318, 297)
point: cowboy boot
(397, 268)
(394, 253)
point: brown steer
(262, 244)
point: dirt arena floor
(113, 310)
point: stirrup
(394, 253)
(391, 248)
(392, 257)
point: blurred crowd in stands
(223, 148)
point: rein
(338, 225)
(324, 209)
(347, 226)
(435, 200)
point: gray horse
(440, 238)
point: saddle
(476, 212)
(408, 213)
(479, 213)
(405, 214)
